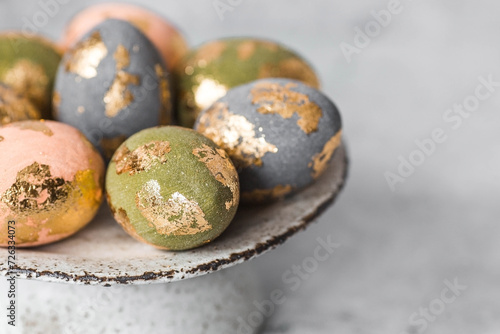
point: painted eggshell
(167, 39)
(15, 107)
(173, 188)
(280, 134)
(51, 184)
(28, 64)
(112, 84)
(207, 72)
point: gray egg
(111, 84)
(280, 134)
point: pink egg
(164, 36)
(51, 182)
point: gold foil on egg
(38, 126)
(174, 216)
(209, 52)
(30, 79)
(122, 218)
(235, 134)
(119, 96)
(221, 168)
(61, 206)
(1, 138)
(121, 57)
(246, 50)
(207, 92)
(35, 190)
(299, 69)
(262, 195)
(56, 103)
(86, 56)
(165, 97)
(320, 160)
(274, 98)
(57, 99)
(273, 47)
(142, 158)
(292, 68)
(14, 107)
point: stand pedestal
(219, 303)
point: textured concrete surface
(398, 249)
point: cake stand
(103, 255)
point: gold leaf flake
(38, 126)
(207, 92)
(246, 50)
(122, 218)
(31, 80)
(295, 68)
(165, 97)
(273, 47)
(291, 68)
(14, 107)
(320, 160)
(86, 56)
(62, 206)
(142, 158)
(209, 52)
(221, 168)
(121, 57)
(235, 134)
(35, 190)
(262, 195)
(174, 216)
(274, 98)
(119, 96)
(56, 103)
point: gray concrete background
(397, 248)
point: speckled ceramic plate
(103, 254)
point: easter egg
(51, 184)
(15, 107)
(280, 134)
(207, 72)
(28, 64)
(112, 84)
(172, 188)
(167, 39)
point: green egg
(28, 64)
(209, 71)
(173, 188)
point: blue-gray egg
(111, 84)
(280, 134)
